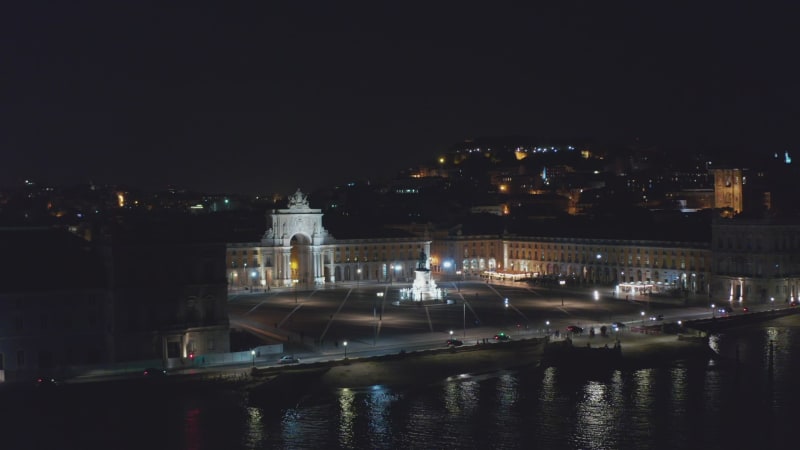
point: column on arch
(286, 262)
(262, 252)
(332, 264)
(317, 262)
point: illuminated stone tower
(728, 189)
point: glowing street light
(253, 354)
(596, 295)
(358, 280)
(345, 349)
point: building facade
(466, 255)
(673, 265)
(756, 260)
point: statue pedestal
(423, 288)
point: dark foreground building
(130, 297)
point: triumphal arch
(297, 251)
(295, 241)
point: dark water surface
(721, 404)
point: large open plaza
(371, 319)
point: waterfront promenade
(314, 324)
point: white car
(288, 360)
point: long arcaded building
(746, 260)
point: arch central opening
(300, 259)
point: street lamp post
(358, 278)
(464, 318)
(562, 283)
(345, 349)
(253, 354)
(375, 319)
(294, 282)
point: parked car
(502, 337)
(618, 325)
(454, 343)
(46, 382)
(574, 329)
(288, 360)
(152, 372)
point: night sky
(251, 97)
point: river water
(747, 399)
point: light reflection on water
(594, 417)
(378, 405)
(347, 417)
(254, 434)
